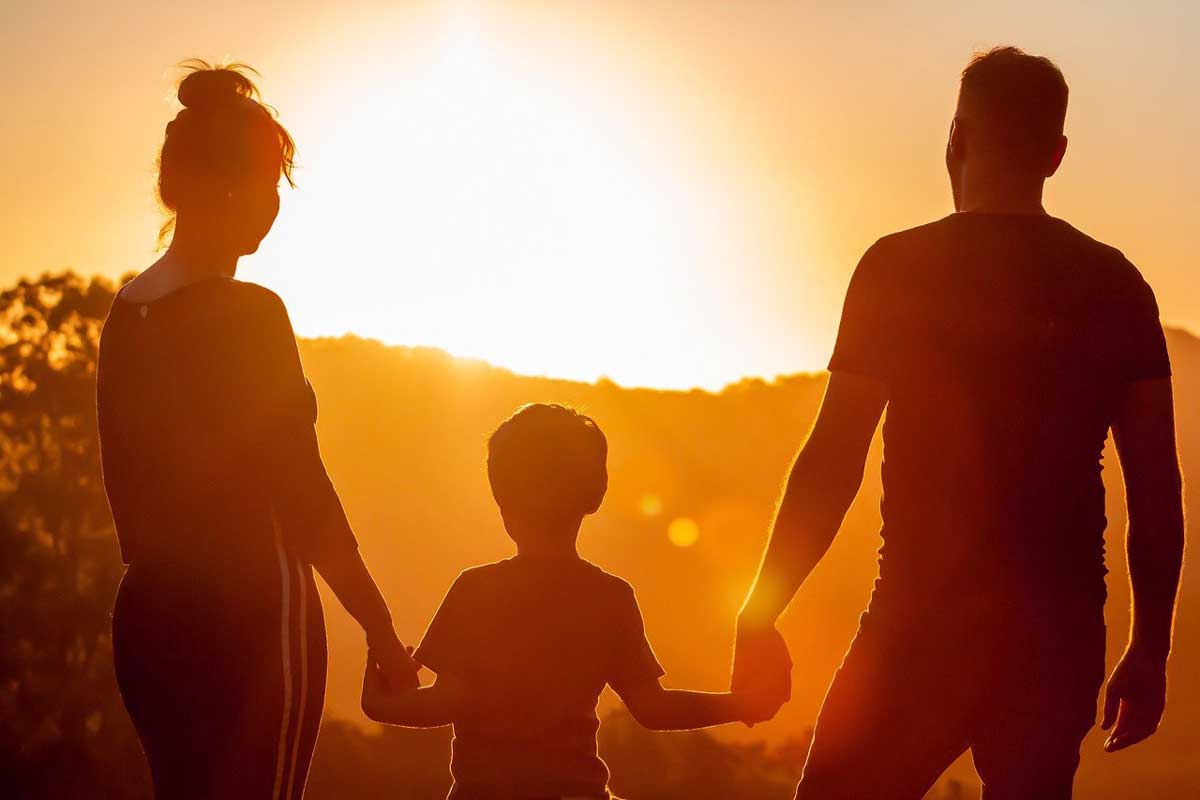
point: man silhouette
(1005, 344)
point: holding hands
(393, 661)
(377, 689)
(762, 671)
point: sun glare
(683, 532)
(473, 200)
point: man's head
(1010, 116)
(547, 465)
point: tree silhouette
(389, 413)
(63, 731)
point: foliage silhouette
(402, 430)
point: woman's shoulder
(254, 294)
(258, 307)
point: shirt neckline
(174, 292)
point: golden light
(469, 197)
(650, 505)
(683, 532)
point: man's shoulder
(934, 230)
(1098, 254)
(895, 253)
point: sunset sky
(670, 194)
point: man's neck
(1002, 194)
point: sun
(472, 200)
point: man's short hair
(548, 460)
(1017, 102)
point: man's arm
(825, 478)
(1144, 430)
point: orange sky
(670, 194)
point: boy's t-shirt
(535, 640)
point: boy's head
(547, 465)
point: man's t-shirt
(1006, 342)
(536, 641)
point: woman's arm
(305, 503)
(351, 581)
(424, 707)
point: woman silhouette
(221, 502)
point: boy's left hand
(759, 704)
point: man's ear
(1056, 159)
(956, 141)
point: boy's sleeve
(632, 658)
(449, 644)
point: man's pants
(913, 693)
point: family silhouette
(1003, 343)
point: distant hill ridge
(403, 432)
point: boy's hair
(1018, 102)
(548, 460)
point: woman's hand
(374, 690)
(394, 662)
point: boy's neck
(548, 550)
(543, 540)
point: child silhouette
(523, 647)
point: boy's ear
(599, 491)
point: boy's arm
(662, 709)
(426, 707)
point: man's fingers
(1112, 704)
(1134, 724)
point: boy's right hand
(395, 662)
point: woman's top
(207, 433)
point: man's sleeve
(871, 321)
(1142, 347)
(632, 659)
(448, 644)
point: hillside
(403, 434)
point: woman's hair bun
(207, 87)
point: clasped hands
(762, 670)
(393, 662)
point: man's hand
(1135, 699)
(762, 670)
(396, 666)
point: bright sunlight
(482, 203)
